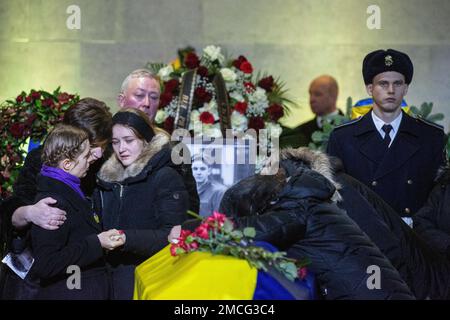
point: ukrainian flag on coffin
(203, 276)
(365, 105)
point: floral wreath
(255, 102)
(27, 118)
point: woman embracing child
(70, 261)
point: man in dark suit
(396, 155)
(323, 93)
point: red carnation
(28, 99)
(246, 67)
(206, 117)
(256, 123)
(237, 63)
(202, 71)
(17, 130)
(191, 60)
(275, 111)
(202, 95)
(216, 217)
(19, 99)
(165, 98)
(171, 85)
(168, 124)
(241, 107)
(266, 83)
(202, 231)
(302, 273)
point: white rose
(228, 75)
(161, 116)
(238, 121)
(213, 53)
(164, 73)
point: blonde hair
(63, 142)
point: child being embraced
(69, 261)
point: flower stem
(195, 215)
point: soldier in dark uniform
(393, 153)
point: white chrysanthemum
(239, 122)
(237, 96)
(228, 75)
(259, 95)
(161, 116)
(212, 130)
(164, 73)
(274, 129)
(213, 53)
(257, 109)
(195, 123)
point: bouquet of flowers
(29, 116)
(216, 234)
(255, 102)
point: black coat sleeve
(171, 206)
(53, 255)
(426, 220)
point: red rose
(191, 60)
(241, 107)
(206, 117)
(47, 102)
(64, 97)
(275, 111)
(19, 99)
(171, 85)
(35, 95)
(246, 67)
(256, 123)
(202, 95)
(168, 124)
(237, 63)
(266, 83)
(17, 130)
(28, 99)
(165, 99)
(202, 71)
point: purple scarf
(61, 175)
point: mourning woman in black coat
(79, 243)
(140, 193)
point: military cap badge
(388, 61)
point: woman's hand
(112, 239)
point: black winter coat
(432, 221)
(74, 243)
(303, 219)
(146, 200)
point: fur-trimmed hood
(314, 160)
(113, 171)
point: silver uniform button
(409, 181)
(374, 183)
(407, 210)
